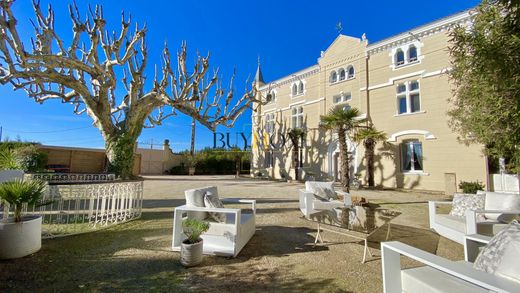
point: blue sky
(287, 35)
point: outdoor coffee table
(355, 222)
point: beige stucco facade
(403, 94)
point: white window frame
(298, 91)
(349, 77)
(343, 98)
(410, 144)
(297, 116)
(406, 50)
(270, 123)
(407, 94)
(341, 70)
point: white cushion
(463, 202)
(501, 254)
(195, 198)
(212, 201)
(501, 202)
(325, 193)
(311, 185)
(428, 279)
(488, 227)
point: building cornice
(306, 72)
(425, 30)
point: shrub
(179, 170)
(18, 192)
(471, 187)
(193, 228)
(29, 158)
(7, 160)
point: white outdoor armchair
(223, 239)
(309, 204)
(439, 274)
(455, 228)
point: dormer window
(406, 55)
(351, 72)
(399, 57)
(297, 88)
(412, 54)
(342, 74)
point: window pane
(341, 74)
(351, 72)
(300, 121)
(346, 108)
(412, 54)
(402, 105)
(406, 157)
(414, 85)
(300, 110)
(348, 97)
(415, 103)
(417, 156)
(401, 88)
(294, 121)
(337, 99)
(399, 58)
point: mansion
(399, 84)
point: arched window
(273, 96)
(300, 88)
(342, 74)
(351, 72)
(294, 90)
(333, 77)
(399, 57)
(412, 54)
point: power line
(49, 131)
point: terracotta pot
(191, 254)
(18, 239)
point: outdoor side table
(357, 222)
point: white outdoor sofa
(309, 204)
(439, 274)
(222, 239)
(455, 228)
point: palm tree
(342, 121)
(369, 137)
(296, 135)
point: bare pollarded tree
(103, 74)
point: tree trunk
(120, 153)
(345, 176)
(369, 147)
(296, 162)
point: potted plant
(20, 235)
(191, 248)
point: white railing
(80, 208)
(57, 178)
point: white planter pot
(18, 239)
(191, 254)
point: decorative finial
(258, 60)
(339, 27)
(364, 37)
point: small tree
(296, 135)
(342, 122)
(369, 137)
(486, 71)
(102, 74)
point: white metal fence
(79, 208)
